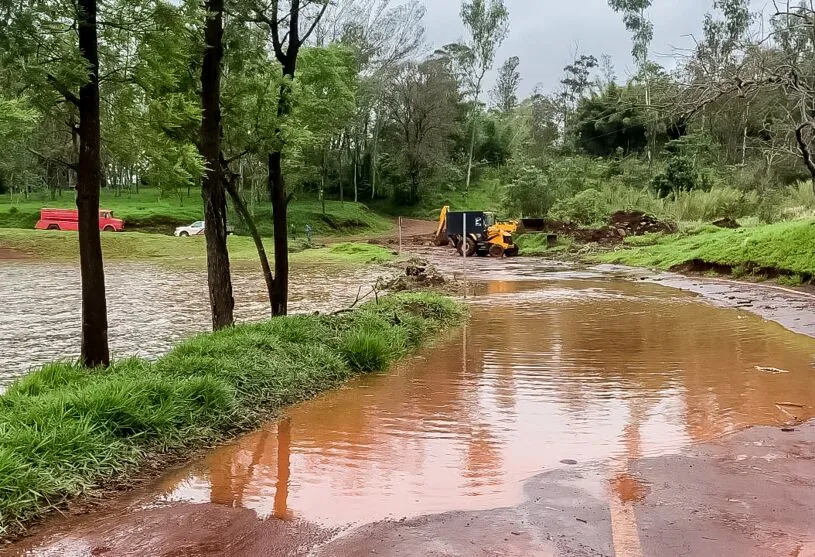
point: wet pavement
(575, 414)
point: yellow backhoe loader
(484, 236)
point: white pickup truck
(196, 229)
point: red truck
(68, 219)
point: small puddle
(545, 372)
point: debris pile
(637, 223)
(417, 275)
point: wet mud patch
(8, 253)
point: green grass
(65, 430)
(148, 211)
(535, 244)
(136, 246)
(787, 248)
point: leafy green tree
(577, 84)
(56, 45)
(17, 120)
(487, 24)
(641, 28)
(505, 94)
(609, 122)
(422, 110)
(289, 24)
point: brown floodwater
(575, 370)
(150, 307)
(546, 374)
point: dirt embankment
(621, 225)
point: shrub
(587, 208)
(366, 350)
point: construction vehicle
(484, 235)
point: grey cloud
(545, 33)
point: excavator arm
(441, 232)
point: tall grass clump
(66, 430)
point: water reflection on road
(544, 372)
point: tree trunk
(212, 187)
(342, 192)
(243, 212)
(323, 176)
(374, 152)
(94, 350)
(356, 186)
(470, 158)
(277, 188)
(472, 137)
(803, 145)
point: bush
(680, 175)
(586, 208)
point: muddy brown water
(151, 308)
(550, 372)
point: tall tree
(642, 33)
(577, 83)
(487, 22)
(505, 94)
(422, 107)
(290, 25)
(95, 350)
(212, 183)
(55, 47)
(636, 21)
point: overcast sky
(544, 33)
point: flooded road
(574, 374)
(150, 308)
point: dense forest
(258, 102)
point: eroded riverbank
(551, 370)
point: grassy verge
(65, 430)
(536, 244)
(147, 211)
(56, 245)
(786, 249)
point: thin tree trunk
(470, 158)
(356, 164)
(374, 153)
(277, 187)
(472, 137)
(243, 212)
(803, 145)
(342, 193)
(744, 137)
(94, 350)
(322, 177)
(212, 187)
